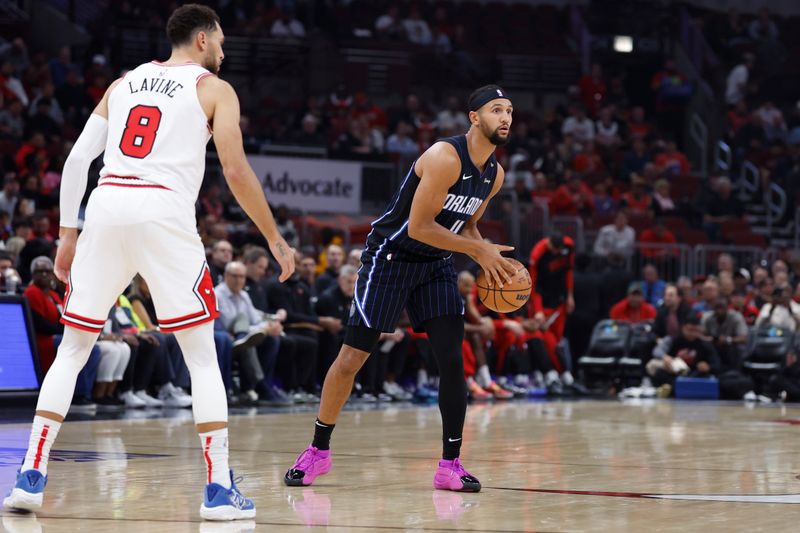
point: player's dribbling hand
(284, 255)
(67, 240)
(498, 269)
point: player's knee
(451, 362)
(351, 360)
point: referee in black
(407, 263)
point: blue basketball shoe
(28, 492)
(220, 503)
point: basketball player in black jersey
(408, 263)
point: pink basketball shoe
(451, 475)
(311, 464)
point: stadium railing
(776, 202)
(672, 260)
(797, 228)
(706, 255)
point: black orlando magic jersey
(389, 236)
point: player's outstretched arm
(470, 229)
(240, 176)
(90, 144)
(438, 168)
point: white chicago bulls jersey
(157, 131)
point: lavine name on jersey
(156, 85)
(458, 203)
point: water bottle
(11, 281)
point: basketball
(511, 296)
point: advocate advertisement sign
(310, 184)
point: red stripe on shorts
(193, 323)
(73, 316)
(136, 185)
(67, 322)
(169, 321)
(132, 186)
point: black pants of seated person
(297, 362)
(385, 358)
(780, 383)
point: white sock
(422, 377)
(215, 453)
(484, 377)
(567, 379)
(43, 434)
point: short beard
(496, 140)
(211, 65)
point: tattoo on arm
(281, 249)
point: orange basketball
(511, 296)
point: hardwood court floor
(565, 466)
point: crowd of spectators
(602, 154)
(763, 118)
(275, 341)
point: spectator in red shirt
(572, 198)
(588, 161)
(633, 309)
(46, 307)
(637, 126)
(739, 303)
(637, 200)
(542, 190)
(654, 236)
(672, 161)
(363, 107)
(737, 117)
(593, 89)
(34, 148)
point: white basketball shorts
(167, 253)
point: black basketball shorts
(386, 286)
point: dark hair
(254, 254)
(556, 238)
(6, 255)
(678, 290)
(189, 19)
(21, 222)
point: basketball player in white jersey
(153, 124)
